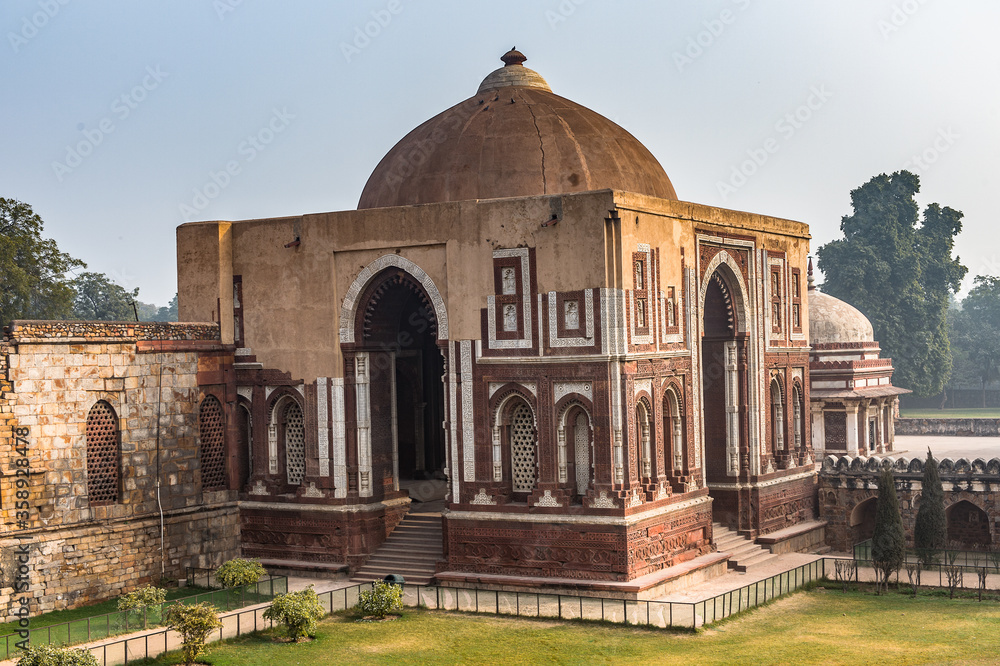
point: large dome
(513, 138)
(832, 321)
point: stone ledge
(305, 569)
(649, 586)
(795, 539)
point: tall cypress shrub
(931, 531)
(889, 541)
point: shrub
(194, 623)
(142, 599)
(238, 572)
(931, 529)
(381, 599)
(889, 541)
(298, 611)
(48, 655)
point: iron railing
(97, 627)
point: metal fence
(97, 627)
(661, 614)
(977, 559)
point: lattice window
(295, 444)
(522, 449)
(103, 454)
(212, 432)
(582, 446)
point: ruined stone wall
(952, 427)
(971, 489)
(82, 551)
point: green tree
(298, 611)
(33, 282)
(975, 335)
(931, 531)
(238, 572)
(381, 599)
(194, 623)
(100, 299)
(50, 655)
(141, 600)
(899, 274)
(889, 540)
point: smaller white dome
(832, 321)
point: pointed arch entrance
(724, 367)
(397, 329)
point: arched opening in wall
(576, 437)
(723, 349)
(103, 455)
(212, 444)
(862, 521)
(244, 443)
(291, 426)
(776, 444)
(968, 526)
(522, 449)
(673, 431)
(644, 433)
(397, 328)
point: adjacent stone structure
(848, 490)
(107, 409)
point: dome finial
(810, 280)
(513, 57)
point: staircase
(745, 553)
(412, 550)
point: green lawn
(817, 627)
(970, 413)
(80, 625)
(83, 612)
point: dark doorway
(719, 336)
(407, 389)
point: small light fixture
(294, 243)
(552, 220)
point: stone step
(412, 551)
(758, 558)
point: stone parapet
(25, 330)
(949, 427)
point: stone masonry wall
(971, 489)
(51, 375)
(954, 427)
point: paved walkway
(734, 580)
(909, 446)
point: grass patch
(83, 612)
(968, 413)
(823, 626)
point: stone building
(522, 306)
(854, 403)
(117, 473)
(848, 492)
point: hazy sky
(116, 115)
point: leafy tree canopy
(98, 298)
(899, 271)
(975, 334)
(33, 283)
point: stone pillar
(852, 428)
(818, 428)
